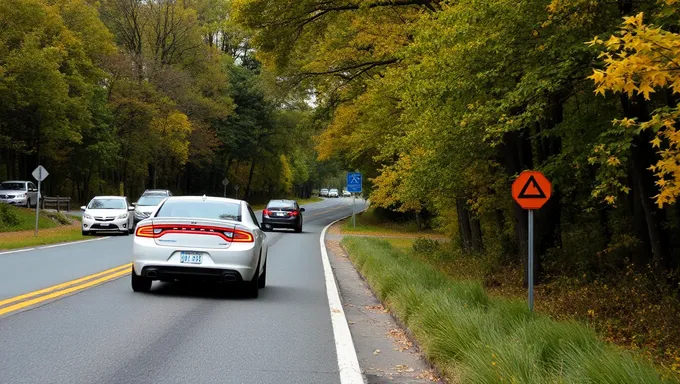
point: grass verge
(473, 338)
(23, 239)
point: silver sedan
(200, 238)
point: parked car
(282, 214)
(107, 214)
(346, 193)
(333, 193)
(157, 192)
(146, 205)
(200, 238)
(23, 193)
(323, 192)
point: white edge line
(348, 363)
(54, 245)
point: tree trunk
(643, 157)
(246, 193)
(476, 232)
(464, 224)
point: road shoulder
(385, 351)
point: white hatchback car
(107, 214)
(200, 238)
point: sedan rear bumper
(288, 222)
(191, 273)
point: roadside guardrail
(58, 203)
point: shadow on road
(219, 291)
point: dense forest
(116, 96)
(443, 103)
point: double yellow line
(20, 302)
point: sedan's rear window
(215, 210)
(281, 205)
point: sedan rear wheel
(252, 288)
(139, 283)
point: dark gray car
(282, 214)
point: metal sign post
(354, 185)
(354, 215)
(531, 260)
(236, 187)
(531, 191)
(39, 174)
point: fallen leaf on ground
(428, 375)
(401, 368)
(401, 339)
(376, 351)
(377, 308)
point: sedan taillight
(232, 235)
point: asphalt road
(176, 333)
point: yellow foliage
(639, 60)
(286, 174)
(173, 131)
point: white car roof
(202, 198)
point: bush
(8, 216)
(426, 246)
(475, 339)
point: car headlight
(86, 216)
(123, 216)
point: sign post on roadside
(354, 185)
(236, 187)
(225, 182)
(39, 174)
(531, 191)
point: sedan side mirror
(302, 209)
(82, 208)
(131, 208)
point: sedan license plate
(190, 258)
(280, 214)
(104, 224)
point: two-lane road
(175, 334)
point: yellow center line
(64, 292)
(64, 285)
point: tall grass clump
(474, 339)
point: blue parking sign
(354, 182)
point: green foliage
(117, 96)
